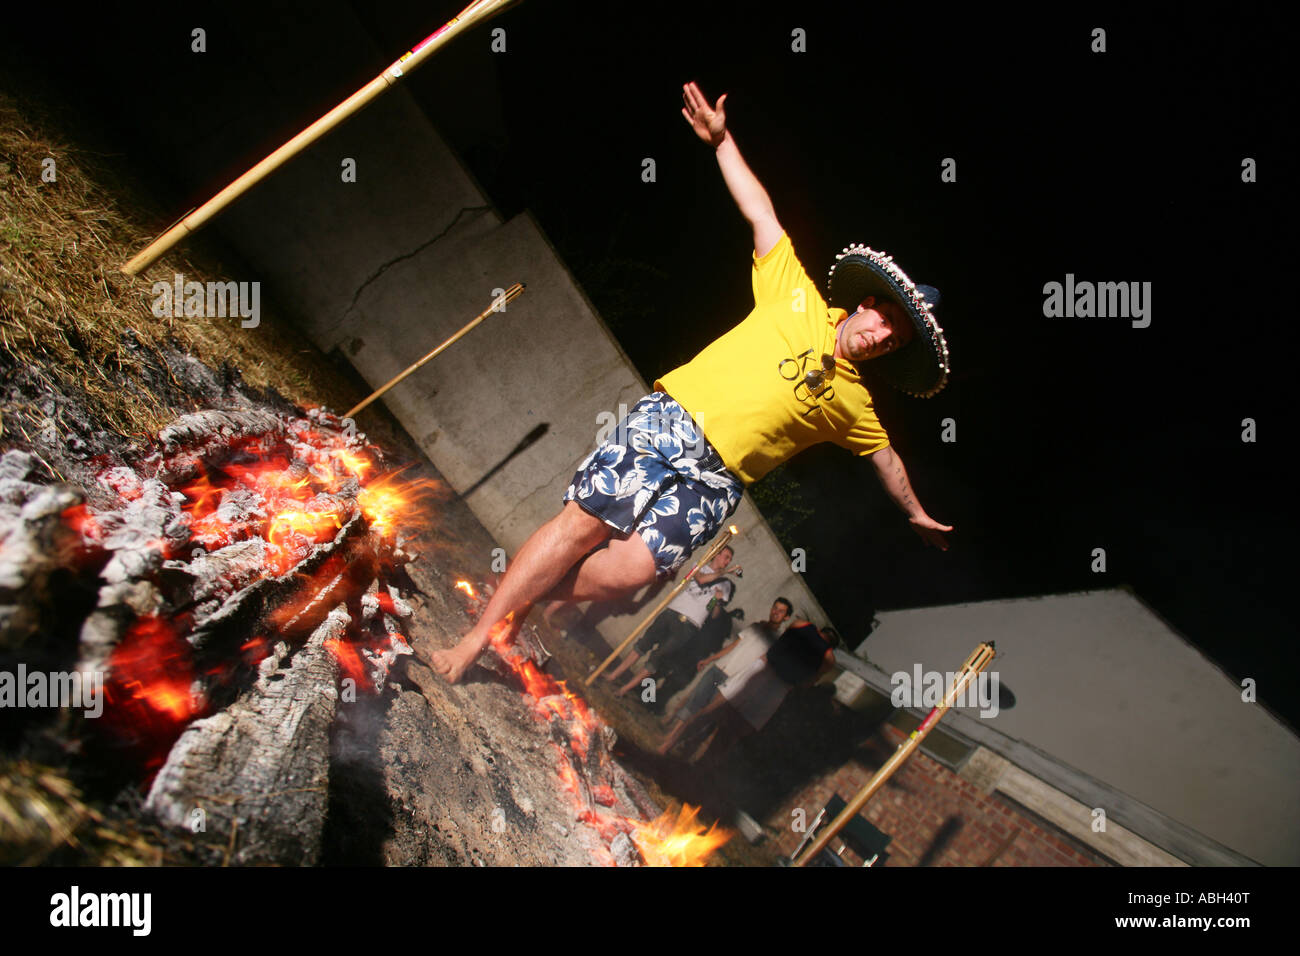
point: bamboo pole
(498, 305)
(640, 629)
(975, 664)
(195, 218)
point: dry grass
(79, 343)
(68, 315)
(42, 814)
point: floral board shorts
(658, 475)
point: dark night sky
(1124, 166)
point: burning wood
(243, 521)
(247, 571)
(258, 772)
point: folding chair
(858, 835)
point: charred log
(256, 775)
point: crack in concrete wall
(374, 276)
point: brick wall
(936, 817)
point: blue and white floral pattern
(658, 474)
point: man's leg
(630, 658)
(541, 563)
(616, 571)
(634, 682)
(706, 715)
(656, 633)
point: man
(752, 643)
(783, 379)
(747, 699)
(673, 631)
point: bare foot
(455, 661)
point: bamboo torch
(477, 11)
(718, 545)
(975, 664)
(498, 305)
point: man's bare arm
(893, 476)
(710, 124)
(721, 653)
(708, 577)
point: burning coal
(236, 585)
(582, 744)
(290, 517)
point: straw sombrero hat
(919, 368)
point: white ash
(398, 608)
(34, 544)
(241, 505)
(210, 424)
(104, 627)
(122, 481)
(138, 533)
(624, 851)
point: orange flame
(151, 667)
(388, 501)
(204, 497)
(350, 462)
(680, 842)
(350, 661)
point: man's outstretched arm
(710, 125)
(892, 474)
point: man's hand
(710, 125)
(931, 531)
(709, 122)
(893, 476)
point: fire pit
(254, 597)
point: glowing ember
(293, 491)
(290, 532)
(673, 839)
(79, 518)
(149, 690)
(350, 662)
(152, 666)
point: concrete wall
(387, 267)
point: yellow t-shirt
(746, 390)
